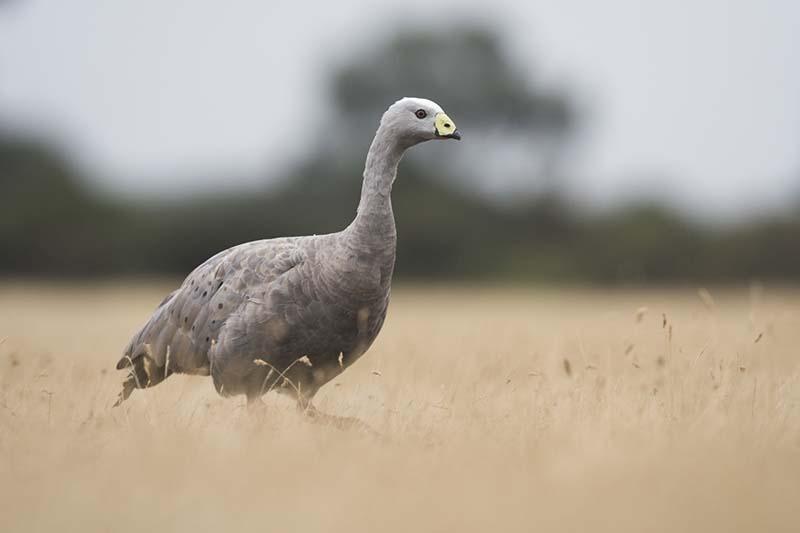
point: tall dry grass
(502, 409)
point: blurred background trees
(452, 219)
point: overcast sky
(697, 102)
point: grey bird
(289, 314)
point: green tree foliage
(45, 211)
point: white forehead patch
(421, 102)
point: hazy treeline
(51, 225)
(51, 222)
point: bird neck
(375, 220)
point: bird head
(416, 120)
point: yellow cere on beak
(445, 127)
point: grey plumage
(289, 313)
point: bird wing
(187, 323)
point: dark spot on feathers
(205, 293)
(219, 306)
(213, 321)
(186, 320)
(208, 339)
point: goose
(289, 314)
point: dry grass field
(500, 409)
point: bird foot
(127, 388)
(344, 423)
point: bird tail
(143, 372)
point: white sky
(697, 102)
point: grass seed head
(629, 349)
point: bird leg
(143, 373)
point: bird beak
(445, 128)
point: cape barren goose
(290, 313)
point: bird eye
(421, 113)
